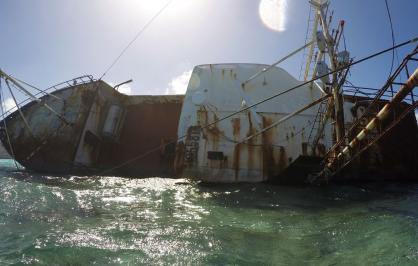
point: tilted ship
(85, 125)
(236, 123)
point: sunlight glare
(151, 7)
(273, 14)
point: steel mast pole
(336, 92)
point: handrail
(371, 92)
(346, 150)
(59, 86)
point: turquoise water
(48, 220)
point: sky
(45, 42)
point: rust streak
(214, 134)
(282, 160)
(269, 164)
(251, 144)
(236, 128)
(236, 160)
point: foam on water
(110, 220)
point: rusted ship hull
(101, 131)
(264, 143)
(236, 123)
(393, 158)
(98, 130)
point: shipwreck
(236, 122)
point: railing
(62, 85)
(372, 93)
(360, 137)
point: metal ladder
(313, 135)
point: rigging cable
(25, 122)
(306, 41)
(140, 156)
(136, 37)
(39, 90)
(393, 37)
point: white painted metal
(112, 122)
(221, 86)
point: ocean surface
(46, 220)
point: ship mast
(327, 59)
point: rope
(39, 90)
(306, 41)
(393, 37)
(20, 111)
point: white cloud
(8, 104)
(178, 85)
(125, 89)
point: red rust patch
(214, 134)
(179, 158)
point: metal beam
(287, 117)
(276, 63)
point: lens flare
(273, 14)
